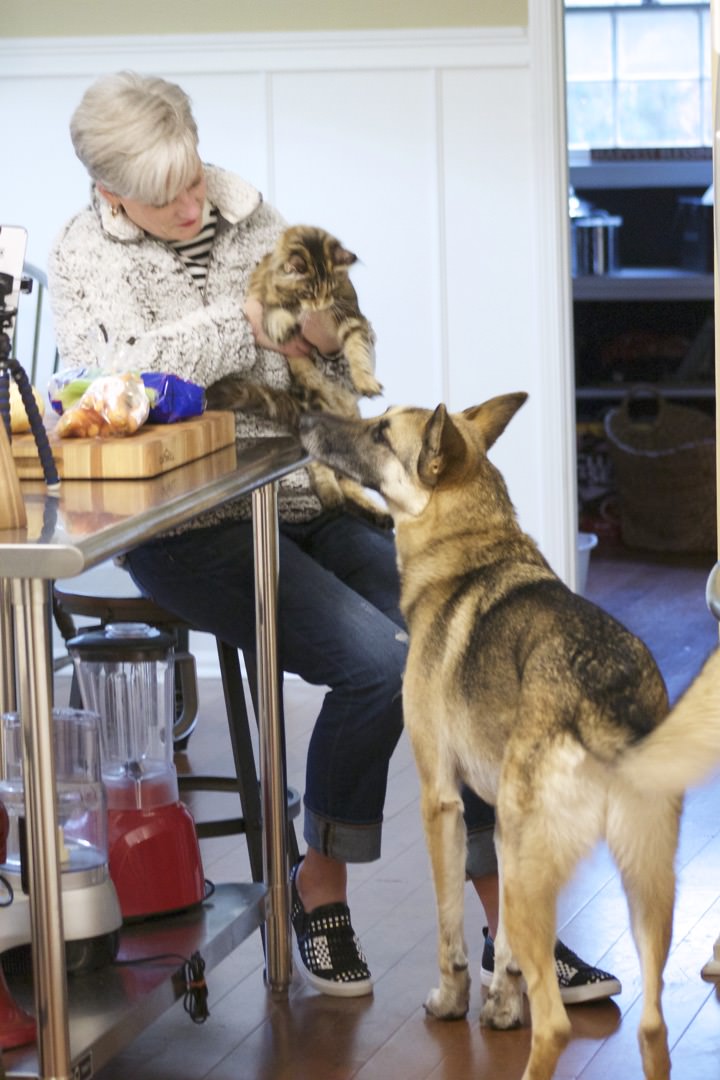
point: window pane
(590, 115)
(707, 129)
(664, 44)
(589, 46)
(611, 52)
(659, 113)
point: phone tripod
(10, 367)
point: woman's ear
(112, 199)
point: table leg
(8, 700)
(711, 970)
(272, 768)
(35, 674)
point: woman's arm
(144, 301)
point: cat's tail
(237, 393)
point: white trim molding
(198, 53)
(552, 276)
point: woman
(158, 266)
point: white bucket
(585, 543)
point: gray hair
(136, 135)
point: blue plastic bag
(175, 399)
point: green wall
(71, 18)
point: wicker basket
(664, 467)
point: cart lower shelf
(108, 1008)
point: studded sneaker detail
(578, 981)
(328, 949)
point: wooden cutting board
(154, 449)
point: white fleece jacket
(105, 272)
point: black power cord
(195, 997)
(196, 991)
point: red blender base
(155, 860)
(17, 1028)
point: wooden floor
(250, 1036)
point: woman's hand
(296, 346)
(318, 331)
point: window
(638, 74)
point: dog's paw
(502, 1011)
(449, 1004)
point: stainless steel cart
(89, 522)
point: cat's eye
(296, 265)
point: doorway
(639, 119)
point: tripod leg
(36, 425)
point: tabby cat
(308, 270)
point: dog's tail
(685, 749)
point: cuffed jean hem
(337, 840)
(481, 857)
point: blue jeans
(339, 626)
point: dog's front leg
(446, 840)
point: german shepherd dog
(538, 700)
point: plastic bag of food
(19, 420)
(171, 398)
(68, 385)
(110, 405)
(174, 398)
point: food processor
(125, 673)
(90, 911)
(17, 1027)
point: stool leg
(248, 785)
(250, 661)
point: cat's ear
(342, 257)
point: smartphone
(13, 242)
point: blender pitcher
(126, 675)
(91, 912)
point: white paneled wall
(416, 148)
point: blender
(17, 1027)
(125, 673)
(90, 910)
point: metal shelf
(644, 283)
(678, 391)
(588, 175)
(110, 1007)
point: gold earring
(115, 209)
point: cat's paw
(367, 385)
(280, 325)
(374, 515)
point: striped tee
(195, 253)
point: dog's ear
(443, 448)
(494, 415)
